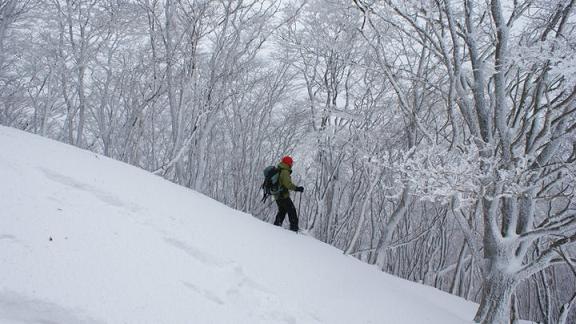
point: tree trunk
(496, 299)
(457, 273)
(82, 105)
(386, 238)
(363, 212)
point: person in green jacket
(285, 204)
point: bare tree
(434, 138)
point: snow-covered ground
(86, 239)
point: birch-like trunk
(363, 211)
(390, 227)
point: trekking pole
(299, 203)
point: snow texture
(86, 239)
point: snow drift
(86, 239)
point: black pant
(286, 205)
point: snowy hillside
(86, 239)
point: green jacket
(285, 181)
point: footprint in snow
(195, 252)
(16, 308)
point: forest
(435, 139)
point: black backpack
(271, 185)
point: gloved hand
(299, 189)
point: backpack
(271, 184)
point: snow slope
(86, 239)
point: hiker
(285, 204)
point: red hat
(287, 160)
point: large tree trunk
(499, 254)
(496, 298)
